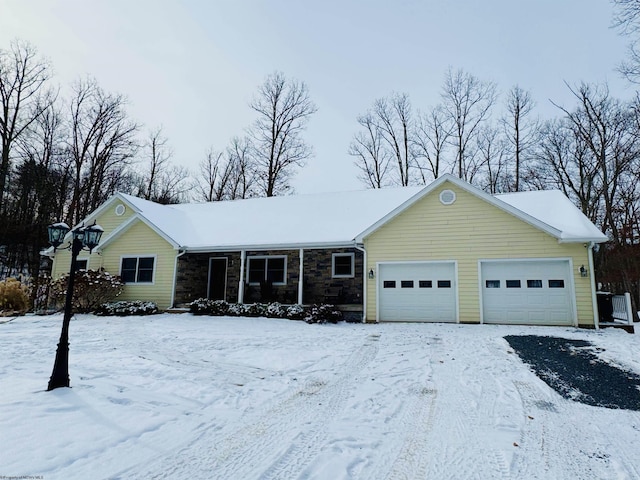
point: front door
(217, 278)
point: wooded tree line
(63, 157)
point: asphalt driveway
(576, 371)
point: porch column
(243, 257)
(301, 277)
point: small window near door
(534, 283)
(82, 263)
(342, 265)
(556, 283)
(513, 283)
(425, 284)
(444, 283)
(492, 283)
(406, 284)
(389, 284)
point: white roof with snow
(292, 221)
(337, 219)
(556, 210)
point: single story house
(445, 252)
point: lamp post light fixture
(83, 237)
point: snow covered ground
(184, 397)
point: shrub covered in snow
(323, 314)
(124, 308)
(276, 310)
(14, 297)
(92, 288)
(314, 314)
(295, 312)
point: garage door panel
(536, 301)
(425, 298)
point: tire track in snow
(244, 452)
(545, 433)
(417, 423)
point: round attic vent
(120, 209)
(447, 197)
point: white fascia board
(263, 247)
(128, 224)
(447, 177)
(602, 239)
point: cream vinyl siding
(141, 241)
(466, 231)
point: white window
(342, 265)
(267, 269)
(137, 269)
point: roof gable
(568, 224)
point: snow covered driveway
(183, 397)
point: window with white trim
(342, 265)
(267, 269)
(137, 269)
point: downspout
(594, 299)
(364, 283)
(175, 277)
(243, 257)
(301, 277)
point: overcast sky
(192, 66)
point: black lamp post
(83, 237)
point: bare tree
(520, 132)
(102, 146)
(492, 151)
(214, 177)
(394, 120)
(430, 142)
(226, 175)
(243, 177)
(22, 81)
(371, 156)
(283, 107)
(606, 127)
(158, 155)
(627, 20)
(467, 102)
(564, 162)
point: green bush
(14, 297)
(92, 288)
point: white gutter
(364, 283)
(243, 256)
(594, 299)
(175, 276)
(301, 277)
(263, 247)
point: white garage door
(527, 292)
(417, 292)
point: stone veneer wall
(193, 271)
(317, 277)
